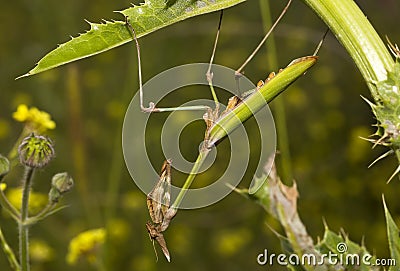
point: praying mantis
(218, 126)
(158, 203)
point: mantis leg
(152, 107)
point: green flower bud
(61, 183)
(4, 167)
(36, 151)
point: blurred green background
(88, 99)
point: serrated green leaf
(349, 254)
(393, 237)
(330, 241)
(145, 18)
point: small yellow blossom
(85, 244)
(22, 113)
(3, 186)
(37, 120)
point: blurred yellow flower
(22, 113)
(40, 251)
(37, 201)
(85, 244)
(37, 120)
(3, 186)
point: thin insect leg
(209, 74)
(315, 51)
(152, 107)
(320, 42)
(133, 33)
(239, 71)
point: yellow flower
(3, 186)
(22, 113)
(85, 244)
(37, 120)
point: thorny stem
(23, 228)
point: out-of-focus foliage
(40, 251)
(88, 99)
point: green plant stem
(48, 210)
(195, 170)
(45, 210)
(9, 252)
(23, 228)
(8, 206)
(278, 103)
(352, 28)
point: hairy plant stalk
(9, 252)
(22, 226)
(8, 206)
